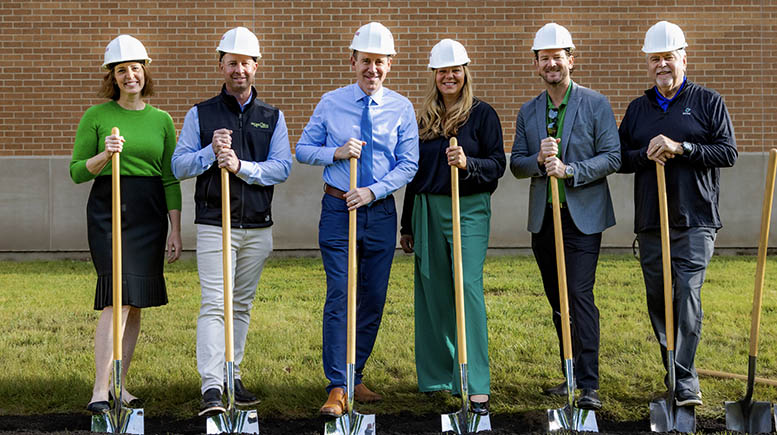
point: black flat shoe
(134, 403)
(99, 407)
(480, 408)
(589, 400)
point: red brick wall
(50, 53)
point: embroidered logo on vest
(687, 111)
(262, 125)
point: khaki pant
(250, 249)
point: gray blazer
(589, 143)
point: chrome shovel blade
(660, 416)
(351, 424)
(749, 417)
(130, 420)
(665, 417)
(235, 421)
(576, 419)
(475, 423)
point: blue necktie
(365, 161)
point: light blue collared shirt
(190, 159)
(337, 118)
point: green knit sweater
(149, 142)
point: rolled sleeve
(190, 159)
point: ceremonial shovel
(351, 422)
(664, 415)
(568, 417)
(234, 420)
(746, 415)
(462, 421)
(120, 419)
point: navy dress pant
(581, 254)
(376, 236)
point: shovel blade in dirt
(236, 421)
(475, 423)
(749, 416)
(351, 424)
(575, 419)
(130, 421)
(665, 417)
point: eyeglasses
(552, 122)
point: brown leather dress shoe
(363, 394)
(336, 404)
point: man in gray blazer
(568, 132)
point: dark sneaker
(589, 400)
(211, 403)
(688, 398)
(243, 397)
(558, 390)
(480, 408)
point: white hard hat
(240, 41)
(552, 36)
(124, 48)
(373, 38)
(448, 53)
(663, 37)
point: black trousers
(581, 252)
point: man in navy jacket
(686, 128)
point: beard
(562, 76)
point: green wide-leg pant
(436, 358)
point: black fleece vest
(252, 130)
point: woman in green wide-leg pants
(437, 362)
(451, 110)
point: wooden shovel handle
(226, 264)
(561, 268)
(352, 271)
(666, 257)
(458, 274)
(763, 245)
(116, 249)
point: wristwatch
(687, 148)
(569, 171)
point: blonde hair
(435, 120)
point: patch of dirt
(523, 423)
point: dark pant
(581, 253)
(691, 250)
(376, 237)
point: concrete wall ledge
(43, 214)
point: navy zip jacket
(696, 115)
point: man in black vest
(237, 131)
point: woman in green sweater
(150, 195)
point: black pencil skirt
(143, 235)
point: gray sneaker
(688, 398)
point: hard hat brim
(107, 65)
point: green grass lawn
(47, 329)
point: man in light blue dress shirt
(377, 126)
(237, 131)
